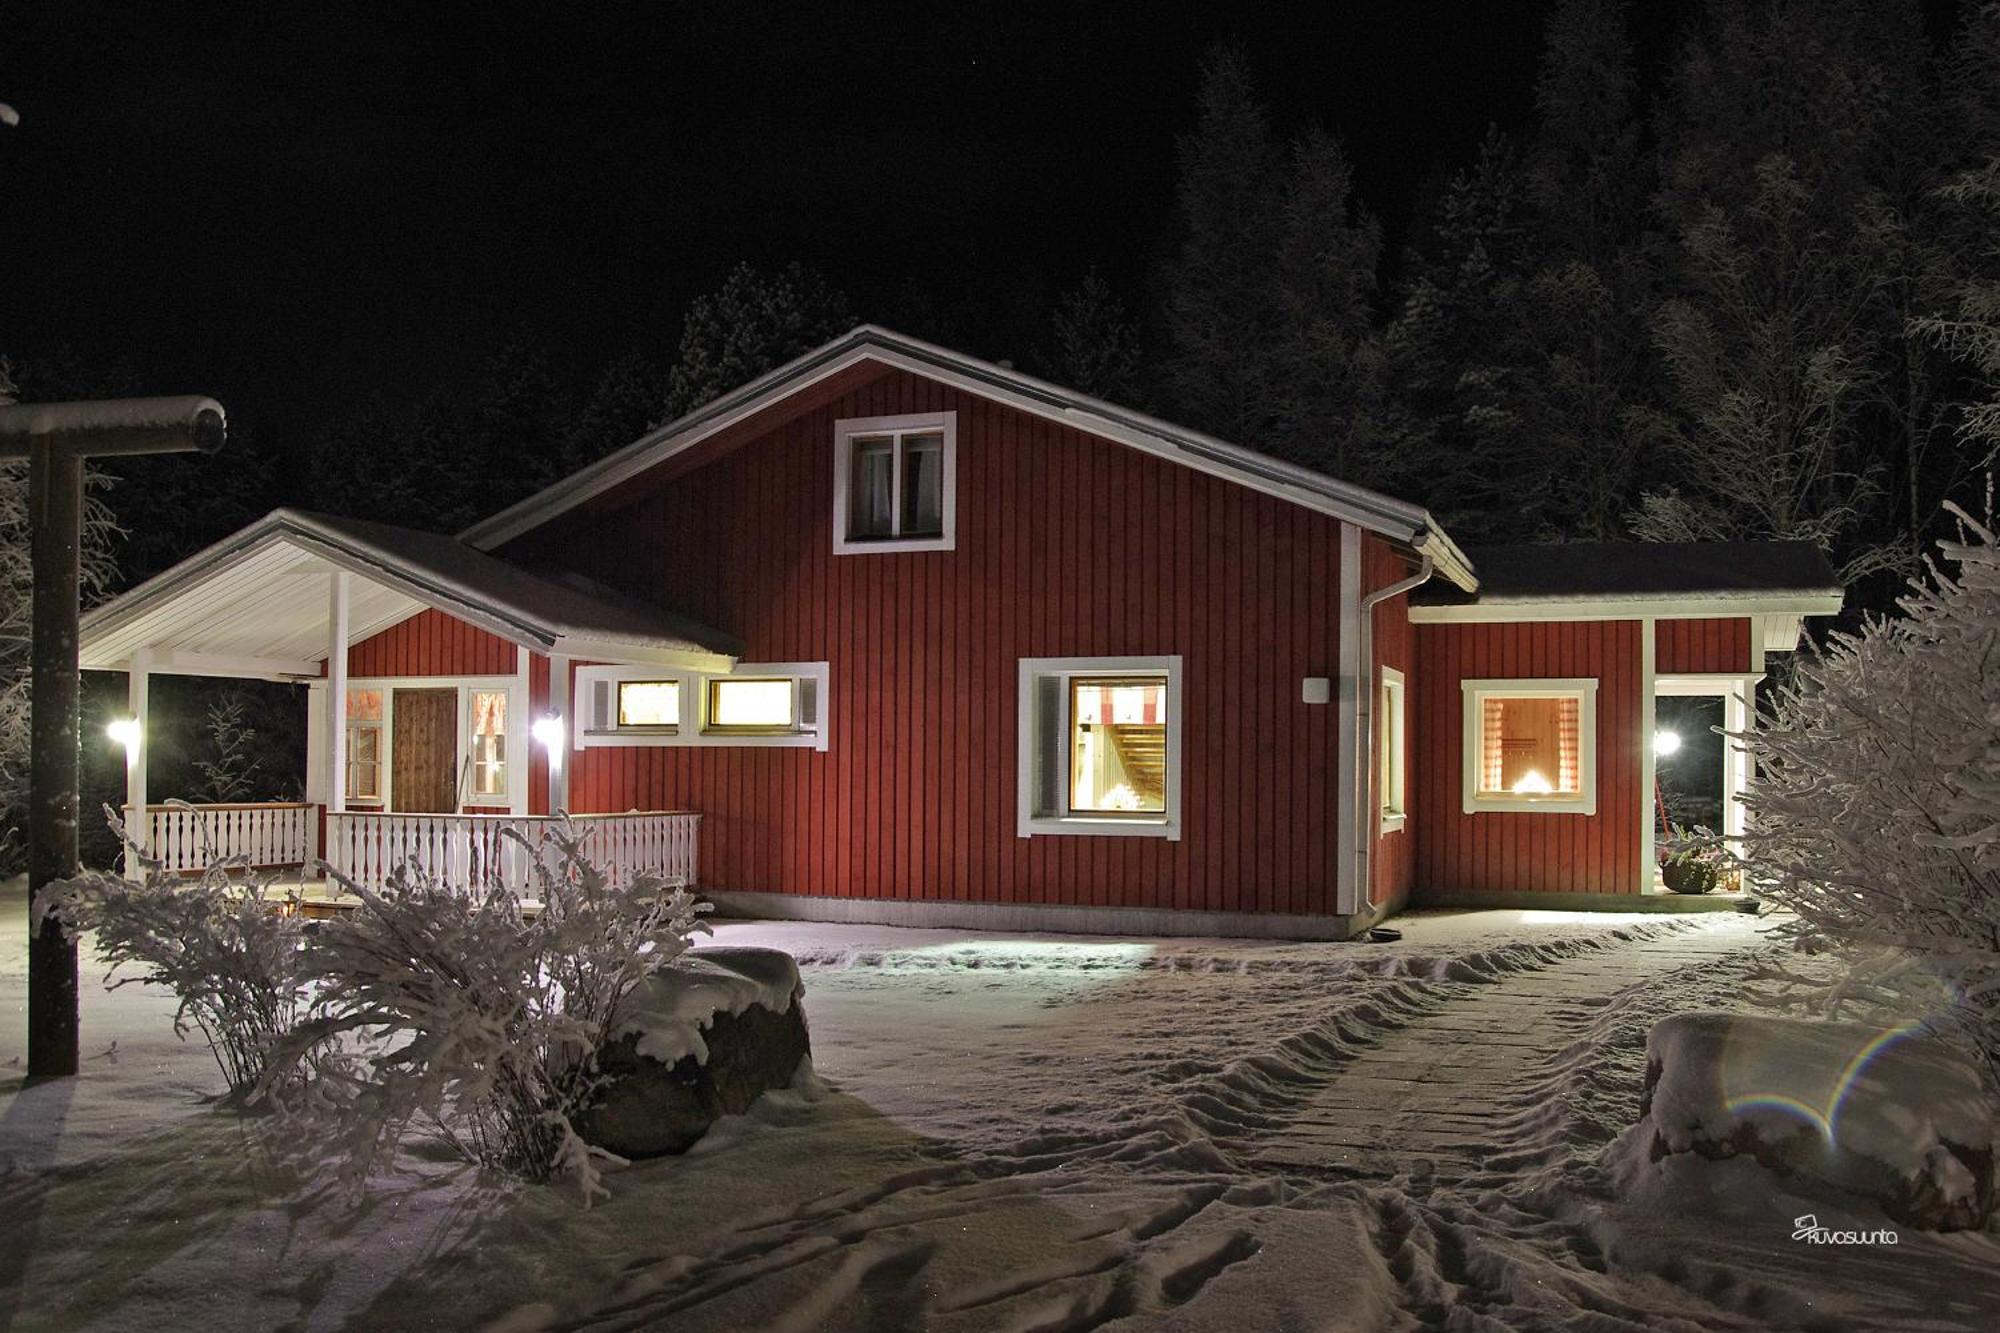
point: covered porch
(436, 680)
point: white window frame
(1038, 815)
(589, 731)
(1392, 733)
(510, 753)
(1475, 693)
(846, 431)
(381, 729)
(811, 701)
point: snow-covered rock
(1895, 1115)
(713, 1032)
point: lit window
(489, 743)
(894, 480)
(1100, 746)
(1118, 745)
(364, 761)
(736, 704)
(1530, 745)
(1389, 726)
(649, 703)
(364, 746)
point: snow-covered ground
(1023, 1133)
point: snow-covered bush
(459, 1013)
(1876, 814)
(227, 947)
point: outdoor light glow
(125, 730)
(1532, 783)
(1666, 742)
(548, 731)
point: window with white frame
(364, 747)
(1391, 779)
(895, 483)
(756, 704)
(1530, 745)
(486, 727)
(1100, 746)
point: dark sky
(289, 205)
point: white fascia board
(1706, 606)
(611, 652)
(652, 449)
(1378, 513)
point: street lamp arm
(188, 423)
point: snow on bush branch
(1876, 814)
(470, 1014)
(459, 1013)
(223, 943)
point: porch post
(1649, 767)
(138, 822)
(1737, 719)
(336, 692)
(559, 752)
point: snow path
(1448, 1096)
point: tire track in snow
(1197, 1156)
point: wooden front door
(423, 752)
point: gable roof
(1400, 521)
(259, 596)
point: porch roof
(256, 603)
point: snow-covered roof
(256, 603)
(1396, 519)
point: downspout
(1367, 807)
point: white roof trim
(238, 580)
(1686, 606)
(1380, 513)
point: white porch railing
(476, 850)
(270, 834)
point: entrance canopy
(264, 603)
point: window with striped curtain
(1529, 746)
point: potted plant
(1694, 863)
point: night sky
(293, 206)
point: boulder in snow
(1895, 1115)
(712, 1032)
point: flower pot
(1688, 876)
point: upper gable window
(895, 483)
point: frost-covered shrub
(225, 944)
(1876, 814)
(460, 1013)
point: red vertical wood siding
(1701, 645)
(1393, 859)
(1506, 850)
(1067, 545)
(431, 643)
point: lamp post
(55, 438)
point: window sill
(1572, 805)
(1075, 826)
(1393, 823)
(891, 545)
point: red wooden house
(894, 634)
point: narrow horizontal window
(752, 705)
(649, 703)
